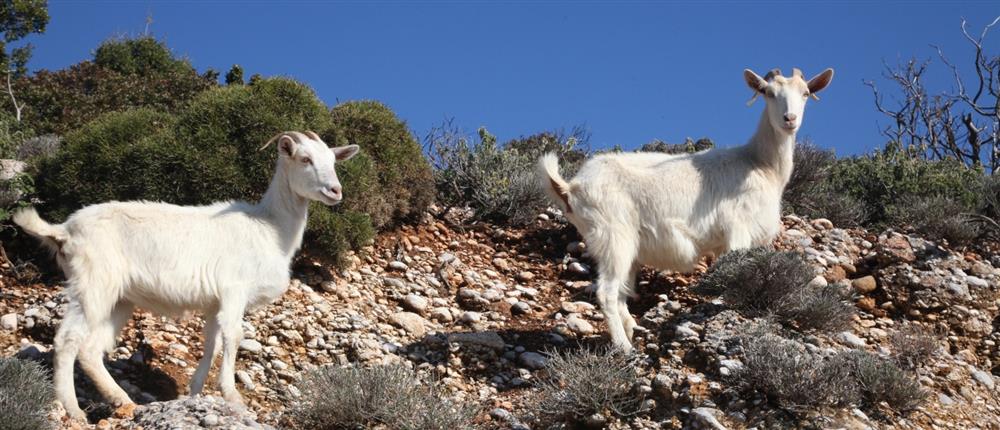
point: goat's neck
(772, 150)
(286, 210)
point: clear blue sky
(630, 72)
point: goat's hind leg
(628, 322)
(69, 338)
(612, 290)
(102, 338)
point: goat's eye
(307, 160)
(806, 95)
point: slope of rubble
(478, 306)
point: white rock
(410, 322)
(398, 265)
(849, 339)
(251, 345)
(415, 303)
(9, 322)
(471, 317)
(579, 326)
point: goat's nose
(335, 190)
(790, 116)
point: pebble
(864, 285)
(398, 265)
(525, 276)
(411, 322)
(251, 346)
(532, 360)
(415, 303)
(849, 339)
(579, 326)
(9, 322)
(471, 317)
(520, 308)
(578, 268)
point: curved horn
(772, 73)
(797, 72)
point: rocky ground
(477, 306)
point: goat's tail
(52, 236)
(552, 182)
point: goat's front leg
(211, 349)
(230, 320)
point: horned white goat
(667, 211)
(221, 259)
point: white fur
(220, 259)
(667, 211)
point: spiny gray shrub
(498, 181)
(582, 383)
(25, 395)
(39, 146)
(790, 375)
(881, 380)
(391, 396)
(765, 282)
(938, 217)
(913, 346)
(688, 147)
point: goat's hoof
(235, 401)
(76, 414)
(126, 410)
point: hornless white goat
(667, 211)
(221, 259)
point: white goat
(221, 259)
(667, 211)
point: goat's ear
(287, 145)
(820, 81)
(754, 81)
(345, 152)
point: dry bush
(881, 380)
(26, 395)
(913, 346)
(392, 396)
(939, 217)
(582, 383)
(762, 281)
(790, 375)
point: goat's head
(786, 96)
(309, 164)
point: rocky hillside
(479, 307)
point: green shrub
(497, 181)
(582, 383)
(125, 74)
(120, 156)
(143, 56)
(390, 396)
(885, 183)
(688, 147)
(404, 184)
(764, 282)
(26, 395)
(38, 147)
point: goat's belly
(673, 250)
(169, 301)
